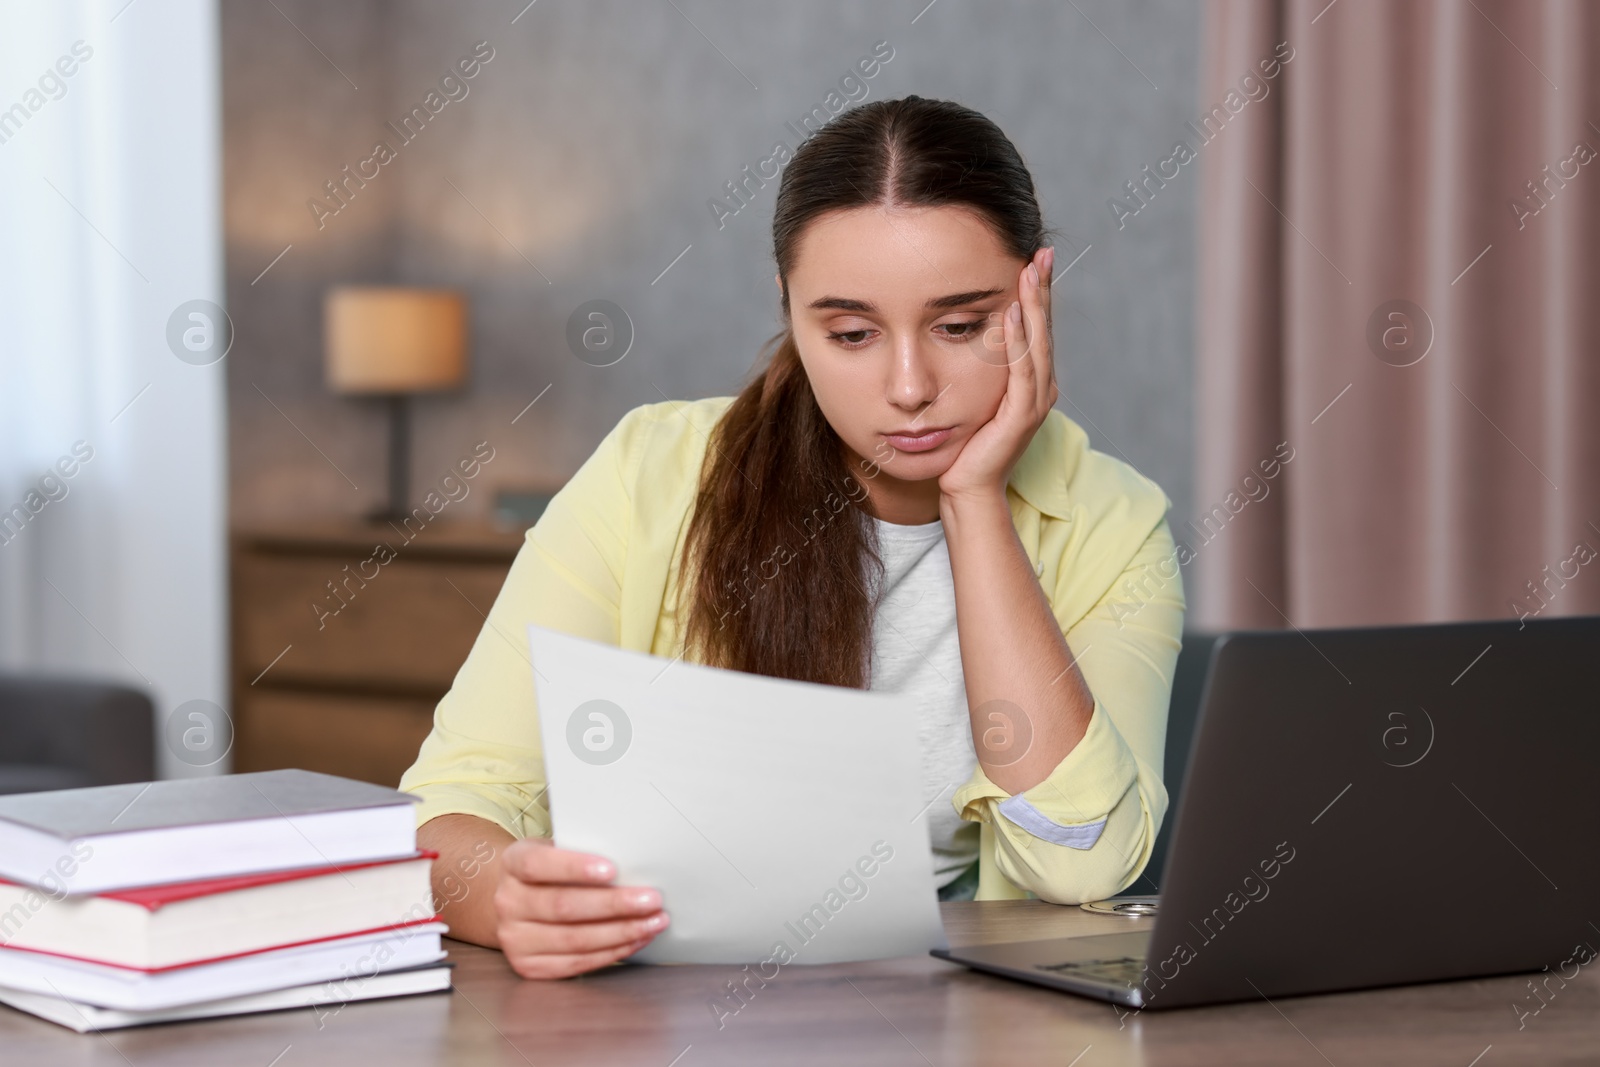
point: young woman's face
(896, 314)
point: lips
(919, 440)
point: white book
(119, 836)
(129, 989)
(83, 1017)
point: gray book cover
(111, 809)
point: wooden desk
(916, 1010)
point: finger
(1037, 329)
(1049, 310)
(572, 904)
(536, 859)
(569, 965)
(1047, 272)
(557, 939)
(1017, 343)
(1036, 308)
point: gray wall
(582, 159)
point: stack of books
(131, 904)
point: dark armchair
(1188, 682)
(61, 733)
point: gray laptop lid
(1378, 806)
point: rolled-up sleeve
(483, 756)
(1086, 831)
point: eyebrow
(938, 303)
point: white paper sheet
(768, 812)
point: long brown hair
(781, 556)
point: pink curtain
(1398, 372)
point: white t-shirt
(915, 650)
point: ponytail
(781, 551)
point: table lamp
(391, 342)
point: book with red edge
(180, 924)
(347, 959)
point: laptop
(1366, 807)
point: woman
(891, 503)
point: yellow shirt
(602, 563)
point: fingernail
(1033, 273)
(599, 870)
(1015, 311)
(656, 922)
(1049, 257)
(645, 898)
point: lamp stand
(399, 460)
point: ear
(778, 279)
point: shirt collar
(1041, 474)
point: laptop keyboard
(1123, 970)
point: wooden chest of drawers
(346, 634)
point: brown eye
(964, 331)
(850, 338)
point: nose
(911, 384)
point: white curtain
(110, 223)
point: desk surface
(916, 1010)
